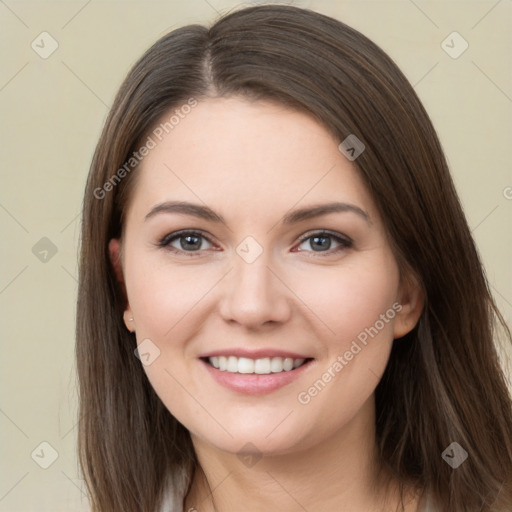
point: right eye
(190, 242)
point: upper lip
(254, 354)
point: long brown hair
(443, 382)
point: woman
(280, 304)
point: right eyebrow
(184, 207)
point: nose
(254, 294)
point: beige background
(51, 114)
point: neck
(341, 473)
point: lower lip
(255, 384)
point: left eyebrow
(314, 211)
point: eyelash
(344, 241)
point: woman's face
(257, 286)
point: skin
(253, 162)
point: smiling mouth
(260, 366)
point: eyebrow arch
(295, 216)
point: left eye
(323, 242)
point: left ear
(411, 300)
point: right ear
(114, 250)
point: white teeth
(232, 364)
(245, 365)
(288, 364)
(262, 366)
(276, 365)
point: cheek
(167, 306)
(351, 299)
(360, 309)
(163, 296)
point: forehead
(229, 151)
